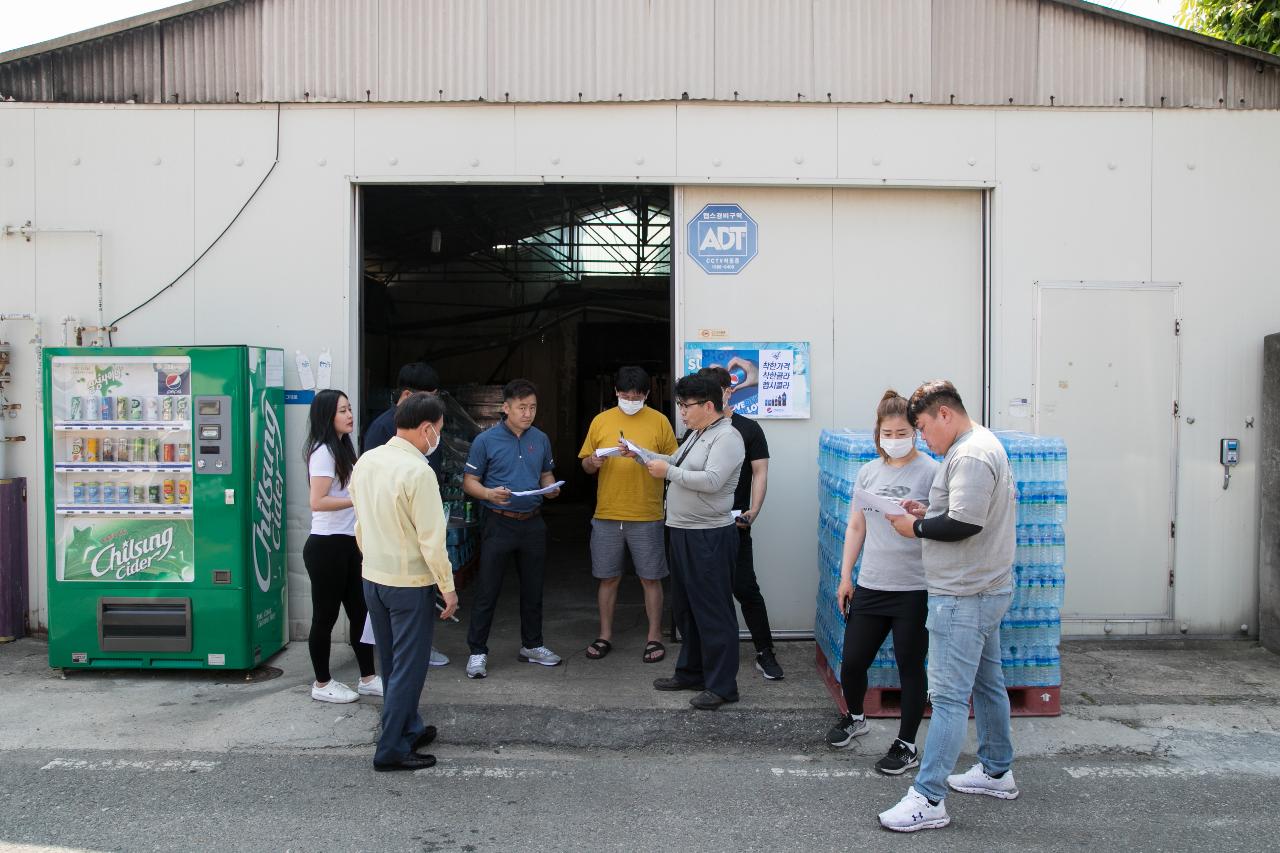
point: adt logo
(722, 239)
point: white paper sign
(863, 499)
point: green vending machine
(165, 506)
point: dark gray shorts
(610, 539)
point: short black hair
(417, 376)
(929, 396)
(697, 387)
(518, 389)
(418, 409)
(719, 375)
(632, 378)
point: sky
(26, 22)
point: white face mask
(630, 407)
(897, 447)
(432, 448)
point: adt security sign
(722, 239)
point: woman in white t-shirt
(891, 595)
(331, 555)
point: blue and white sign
(722, 239)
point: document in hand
(864, 499)
(543, 491)
(644, 456)
(613, 450)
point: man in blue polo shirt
(511, 456)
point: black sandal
(650, 648)
(599, 648)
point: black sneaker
(768, 665)
(843, 732)
(898, 760)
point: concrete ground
(1161, 746)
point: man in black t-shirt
(413, 379)
(748, 500)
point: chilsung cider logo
(127, 556)
(268, 527)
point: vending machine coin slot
(213, 434)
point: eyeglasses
(683, 406)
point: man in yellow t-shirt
(629, 512)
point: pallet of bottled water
(1031, 630)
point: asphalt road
(482, 800)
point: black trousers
(747, 590)
(864, 634)
(333, 564)
(702, 564)
(505, 541)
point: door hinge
(1171, 577)
(1177, 327)
(1176, 408)
(1173, 529)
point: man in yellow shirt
(400, 528)
(629, 513)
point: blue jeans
(964, 659)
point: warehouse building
(1066, 210)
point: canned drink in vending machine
(152, 451)
(76, 453)
(139, 494)
(168, 491)
(184, 492)
(92, 492)
(139, 450)
(153, 494)
(135, 408)
(107, 450)
(108, 492)
(184, 452)
(122, 408)
(183, 410)
(151, 408)
(122, 450)
(76, 410)
(166, 408)
(170, 452)
(77, 492)
(91, 449)
(107, 407)
(122, 494)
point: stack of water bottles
(1031, 630)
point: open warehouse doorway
(559, 284)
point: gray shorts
(646, 539)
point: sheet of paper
(367, 635)
(869, 500)
(546, 490)
(645, 456)
(607, 451)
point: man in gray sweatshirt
(703, 544)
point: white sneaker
(913, 813)
(335, 691)
(438, 658)
(976, 781)
(370, 688)
(541, 655)
(477, 666)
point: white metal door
(1107, 382)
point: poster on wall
(770, 380)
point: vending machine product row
(165, 506)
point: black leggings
(864, 633)
(333, 564)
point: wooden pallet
(887, 701)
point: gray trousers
(403, 623)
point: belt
(518, 516)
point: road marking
(1155, 771)
(156, 766)
(806, 773)
(484, 772)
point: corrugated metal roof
(979, 52)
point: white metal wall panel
(762, 142)
(870, 51)
(1090, 61)
(432, 50)
(985, 51)
(320, 50)
(902, 144)
(408, 142)
(214, 57)
(596, 141)
(764, 50)
(1180, 74)
(1252, 85)
(647, 50)
(541, 50)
